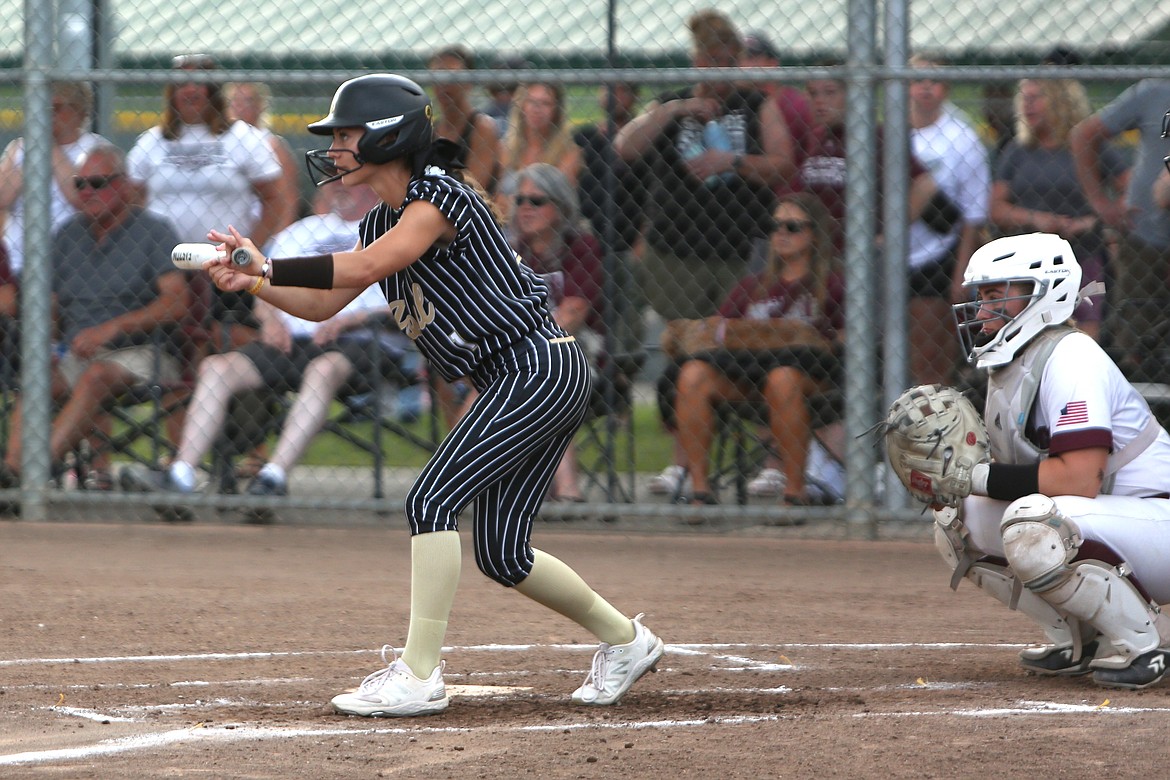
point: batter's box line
(674, 647)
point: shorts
(933, 280)
(750, 367)
(139, 362)
(284, 371)
(687, 288)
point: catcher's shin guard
(1040, 544)
(999, 582)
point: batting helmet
(395, 112)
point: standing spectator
(312, 358)
(72, 105)
(201, 169)
(1143, 255)
(250, 102)
(795, 111)
(501, 94)
(547, 233)
(538, 131)
(823, 173)
(714, 153)
(598, 157)
(944, 142)
(1036, 188)
(114, 286)
(458, 121)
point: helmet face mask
(394, 113)
(1041, 264)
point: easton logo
(379, 124)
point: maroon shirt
(575, 271)
(752, 300)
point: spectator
(501, 93)
(1142, 260)
(714, 152)
(250, 102)
(823, 173)
(598, 157)
(313, 358)
(798, 284)
(458, 121)
(114, 287)
(538, 131)
(1036, 188)
(72, 104)
(795, 111)
(944, 142)
(548, 233)
(200, 169)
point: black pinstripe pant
(504, 452)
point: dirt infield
(133, 650)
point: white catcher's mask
(1040, 262)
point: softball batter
(456, 287)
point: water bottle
(715, 136)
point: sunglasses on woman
(95, 182)
(532, 200)
(792, 225)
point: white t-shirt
(320, 234)
(201, 181)
(60, 209)
(1085, 401)
(957, 160)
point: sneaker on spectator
(395, 692)
(767, 484)
(617, 667)
(134, 480)
(263, 485)
(668, 481)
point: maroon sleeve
(736, 303)
(585, 277)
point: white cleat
(394, 692)
(617, 667)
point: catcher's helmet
(1044, 264)
(396, 115)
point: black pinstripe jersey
(469, 299)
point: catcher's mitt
(934, 437)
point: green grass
(652, 447)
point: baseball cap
(756, 44)
(194, 62)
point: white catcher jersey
(1085, 401)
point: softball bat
(192, 256)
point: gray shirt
(1141, 108)
(96, 282)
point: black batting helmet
(395, 112)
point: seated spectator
(114, 287)
(458, 121)
(72, 106)
(1036, 188)
(549, 234)
(538, 131)
(315, 359)
(798, 284)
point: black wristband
(315, 272)
(1008, 481)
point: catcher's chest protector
(1011, 391)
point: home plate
(485, 690)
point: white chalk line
(236, 733)
(681, 648)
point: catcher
(1067, 517)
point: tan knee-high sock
(434, 576)
(556, 586)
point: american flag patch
(1073, 413)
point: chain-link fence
(676, 177)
